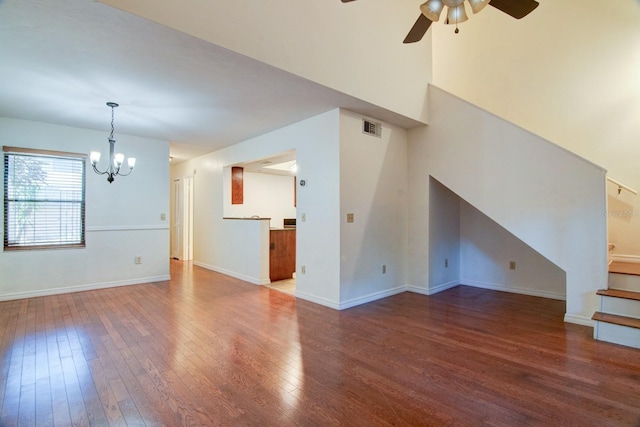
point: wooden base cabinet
(282, 254)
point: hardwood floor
(206, 349)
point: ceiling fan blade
(418, 30)
(347, 1)
(516, 8)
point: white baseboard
(371, 297)
(417, 290)
(579, 320)
(252, 280)
(433, 290)
(523, 291)
(80, 288)
(318, 300)
(626, 258)
(443, 287)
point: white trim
(318, 300)
(618, 334)
(252, 280)
(433, 290)
(523, 291)
(579, 320)
(635, 259)
(126, 228)
(371, 297)
(79, 288)
(443, 287)
(417, 290)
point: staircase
(618, 318)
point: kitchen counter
(248, 219)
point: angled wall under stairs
(549, 198)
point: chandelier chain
(111, 136)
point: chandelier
(115, 159)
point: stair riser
(626, 282)
(620, 306)
(617, 334)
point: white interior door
(177, 214)
(187, 219)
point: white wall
(317, 40)
(265, 195)
(486, 249)
(547, 197)
(444, 239)
(477, 252)
(567, 72)
(122, 218)
(373, 186)
(344, 171)
(316, 141)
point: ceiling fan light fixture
(432, 9)
(478, 5)
(456, 15)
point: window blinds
(44, 199)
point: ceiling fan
(456, 13)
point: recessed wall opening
(469, 248)
(269, 194)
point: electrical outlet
(303, 269)
(446, 263)
(163, 217)
(512, 265)
(303, 217)
(349, 217)
(384, 269)
(138, 260)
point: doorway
(182, 238)
(269, 189)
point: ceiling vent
(371, 128)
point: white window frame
(75, 237)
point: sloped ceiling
(62, 60)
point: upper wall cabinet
(237, 185)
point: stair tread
(631, 322)
(631, 268)
(619, 293)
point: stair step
(631, 268)
(619, 293)
(617, 320)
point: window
(44, 203)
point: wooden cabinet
(282, 254)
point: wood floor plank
(207, 349)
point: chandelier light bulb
(95, 157)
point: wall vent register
(371, 128)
